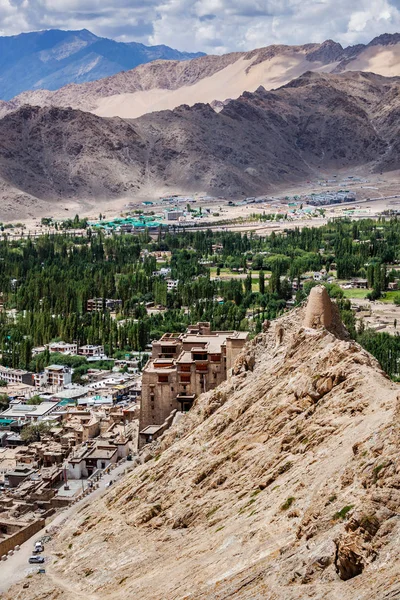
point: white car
(38, 548)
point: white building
(29, 412)
(163, 272)
(16, 376)
(173, 215)
(172, 284)
(91, 351)
(63, 348)
(54, 375)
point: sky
(212, 26)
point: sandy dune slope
(230, 82)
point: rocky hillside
(282, 484)
(160, 85)
(52, 59)
(253, 145)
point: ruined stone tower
(319, 311)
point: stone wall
(21, 536)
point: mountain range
(54, 147)
(256, 143)
(162, 85)
(54, 58)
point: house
(91, 351)
(90, 459)
(103, 304)
(16, 376)
(38, 350)
(172, 284)
(29, 412)
(359, 283)
(182, 366)
(63, 348)
(84, 424)
(18, 475)
(54, 375)
(173, 215)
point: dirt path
(71, 590)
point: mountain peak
(54, 58)
(386, 39)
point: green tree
(35, 432)
(4, 402)
(35, 400)
(261, 278)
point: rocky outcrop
(319, 309)
(283, 483)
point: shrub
(288, 503)
(342, 513)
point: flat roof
(185, 357)
(20, 410)
(99, 453)
(90, 346)
(151, 366)
(16, 371)
(72, 393)
(150, 429)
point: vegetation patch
(288, 503)
(212, 512)
(376, 472)
(342, 513)
(284, 468)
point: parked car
(38, 548)
(36, 559)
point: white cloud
(214, 26)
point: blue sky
(213, 26)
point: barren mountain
(254, 144)
(281, 484)
(165, 85)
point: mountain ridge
(53, 58)
(255, 144)
(164, 85)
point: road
(17, 567)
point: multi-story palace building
(182, 366)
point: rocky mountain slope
(161, 85)
(253, 145)
(55, 58)
(282, 484)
